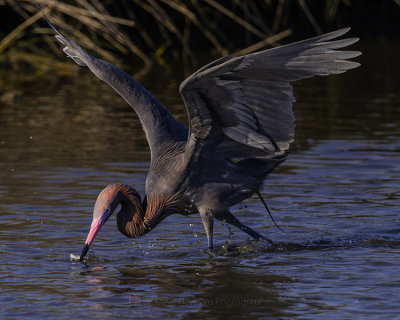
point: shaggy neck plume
(136, 219)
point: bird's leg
(231, 219)
(208, 223)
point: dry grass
(153, 30)
(173, 24)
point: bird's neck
(136, 219)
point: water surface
(337, 197)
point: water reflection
(196, 289)
(338, 197)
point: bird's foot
(265, 242)
(211, 252)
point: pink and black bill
(97, 223)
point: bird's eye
(108, 210)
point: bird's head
(106, 203)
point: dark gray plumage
(241, 126)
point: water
(337, 196)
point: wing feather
(158, 123)
(241, 107)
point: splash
(230, 248)
(88, 260)
(74, 257)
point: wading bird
(240, 127)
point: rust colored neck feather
(133, 222)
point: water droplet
(74, 257)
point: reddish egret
(240, 126)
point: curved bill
(97, 223)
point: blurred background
(163, 31)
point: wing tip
(356, 54)
(334, 34)
(352, 64)
(71, 49)
(50, 23)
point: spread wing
(158, 123)
(240, 108)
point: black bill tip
(84, 251)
